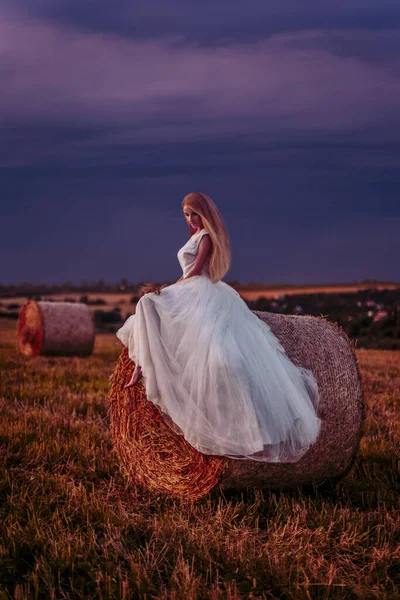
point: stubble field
(72, 528)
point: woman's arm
(203, 252)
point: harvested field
(71, 526)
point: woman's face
(192, 218)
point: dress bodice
(187, 254)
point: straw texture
(55, 328)
(153, 455)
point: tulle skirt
(219, 375)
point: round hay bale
(55, 328)
(152, 454)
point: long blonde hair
(220, 258)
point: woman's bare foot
(137, 374)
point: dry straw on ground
(153, 455)
(55, 328)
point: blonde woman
(217, 372)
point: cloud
(210, 23)
(153, 91)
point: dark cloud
(209, 22)
(303, 221)
(148, 92)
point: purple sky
(287, 115)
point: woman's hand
(159, 288)
(151, 288)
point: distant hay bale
(55, 328)
(153, 455)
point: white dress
(218, 372)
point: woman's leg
(137, 374)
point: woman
(217, 372)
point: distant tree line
(27, 289)
(370, 317)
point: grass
(71, 527)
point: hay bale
(153, 455)
(55, 328)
